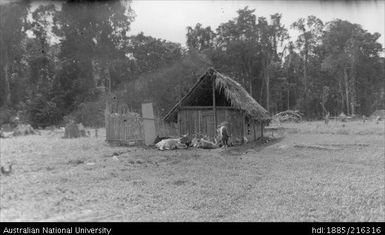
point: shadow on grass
(251, 147)
(175, 156)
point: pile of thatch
(4, 134)
(379, 113)
(287, 116)
(74, 130)
(24, 129)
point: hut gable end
(228, 92)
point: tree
(165, 86)
(40, 53)
(150, 54)
(311, 32)
(237, 48)
(244, 48)
(271, 36)
(292, 67)
(93, 35)
(199, 38)
(324, 98)
(64, 58)
(353, 55)
(12, 32)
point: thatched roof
(235, 94)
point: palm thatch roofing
(236, 96)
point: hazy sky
(168, 19)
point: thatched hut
(216, 98)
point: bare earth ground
(57, 179)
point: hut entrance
(208, 123)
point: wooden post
(288, 97)
(179, 124)
(214, 107)
(255, 134)
(108, 106)
(199, 121)
(347, 91)
(261, 129)
(148, 123)
(109, 80)
(243, 127)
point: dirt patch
(250, 147)
(180, 182)
(75, 162)
(49, 168)
(347, 145)
(316, 147)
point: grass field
(57, 179)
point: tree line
(331, 67)
(59, 61)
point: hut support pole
(214, 109)
(243, 127)
(199, 121)
(179, 124)
(255, 134)
(262, 129)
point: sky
(168, 19)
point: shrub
(43, 112)
(24, 130)
(90, 113)
(5, 115)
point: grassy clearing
(57, 179)
(337, 128)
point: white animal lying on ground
(195, 142)
(170, 144)
(205, 144)
(202, 143)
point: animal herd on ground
(196, 140)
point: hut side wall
(249, 130)
(202, 121)
(164, 129)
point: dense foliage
(281, 73)
(60, 59)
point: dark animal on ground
(6, 170)
(186, 139)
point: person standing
(224, 133)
